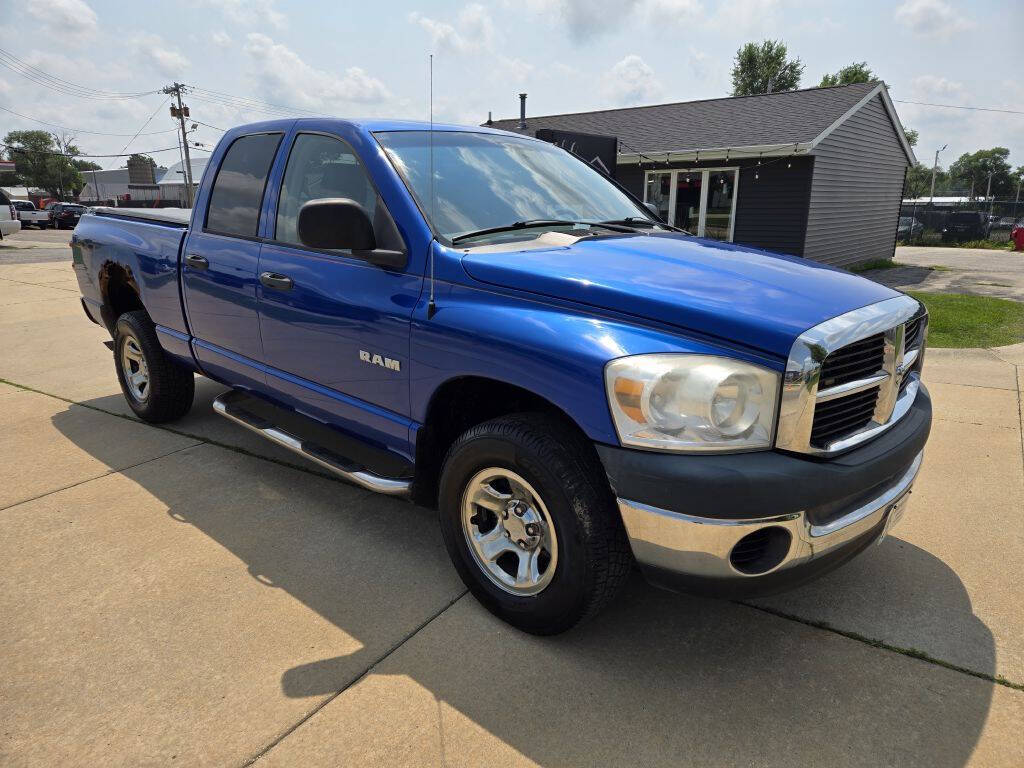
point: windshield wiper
(636, 221)
(612, 225)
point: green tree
(911, 135)
(919, 182)
(764, 68)
(42, 161)
(971, 172)
(857, 72)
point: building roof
(173, 175)
(793, 119)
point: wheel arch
(462, 402)
(119, 292)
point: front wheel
(530, 523)
(156, 387)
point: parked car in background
(9, 223)
(65, 215)
(966, 225)
(29, 214)
(909, 227)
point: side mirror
(336, 223)
(653, 209)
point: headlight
(675, 402)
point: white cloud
(286, 79)
(935, 18)
(221, 39)
(168, 61)
(472, 32)
(250, 13)
(70, 19)
(632, 81)
(933, 86)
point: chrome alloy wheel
(136, 372)
(509, 531)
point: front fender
(557, 352)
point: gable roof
(788, 120)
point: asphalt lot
(976, 271)
(194, 596)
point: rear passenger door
(335, 328)
(220, 260)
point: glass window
(320, 166)
(718, 217)
(688, 194)
(659, 187)
(238, 189)
(484, 180)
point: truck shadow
(658, 679)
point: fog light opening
(760, 551)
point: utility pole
(935, 167)
(181, 112)
(988, 191)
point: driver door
(335, 328)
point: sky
(371, 59)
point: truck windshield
(490, 182)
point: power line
(206, 125)
(138, 132)
(40, 77)
(960, 106)
(82, 130)
(12, 148)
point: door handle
(197, 262)
(277, 281)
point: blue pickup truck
(481, 322)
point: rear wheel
(531, 524)
(156, 387)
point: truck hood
(742, 295)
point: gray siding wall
(856, 190)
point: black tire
(171, 387)
(593, 554)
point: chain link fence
(941, 222)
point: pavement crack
(111, 471)
(366, 671)
(190, 435)
(913, 653)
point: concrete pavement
(194, 596)
(977, 271)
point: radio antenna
(431, 306)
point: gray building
(816, 173)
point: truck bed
(176, 217)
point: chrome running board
(231, 405)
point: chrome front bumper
(703, 547)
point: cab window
(318, 167)
(237, 193)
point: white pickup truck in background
(29, 214)
(9, 223)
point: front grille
(841, 416)
(912, 332)
(855, 361)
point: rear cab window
(237, 194)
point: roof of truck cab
(377, 124)
(371, 125)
